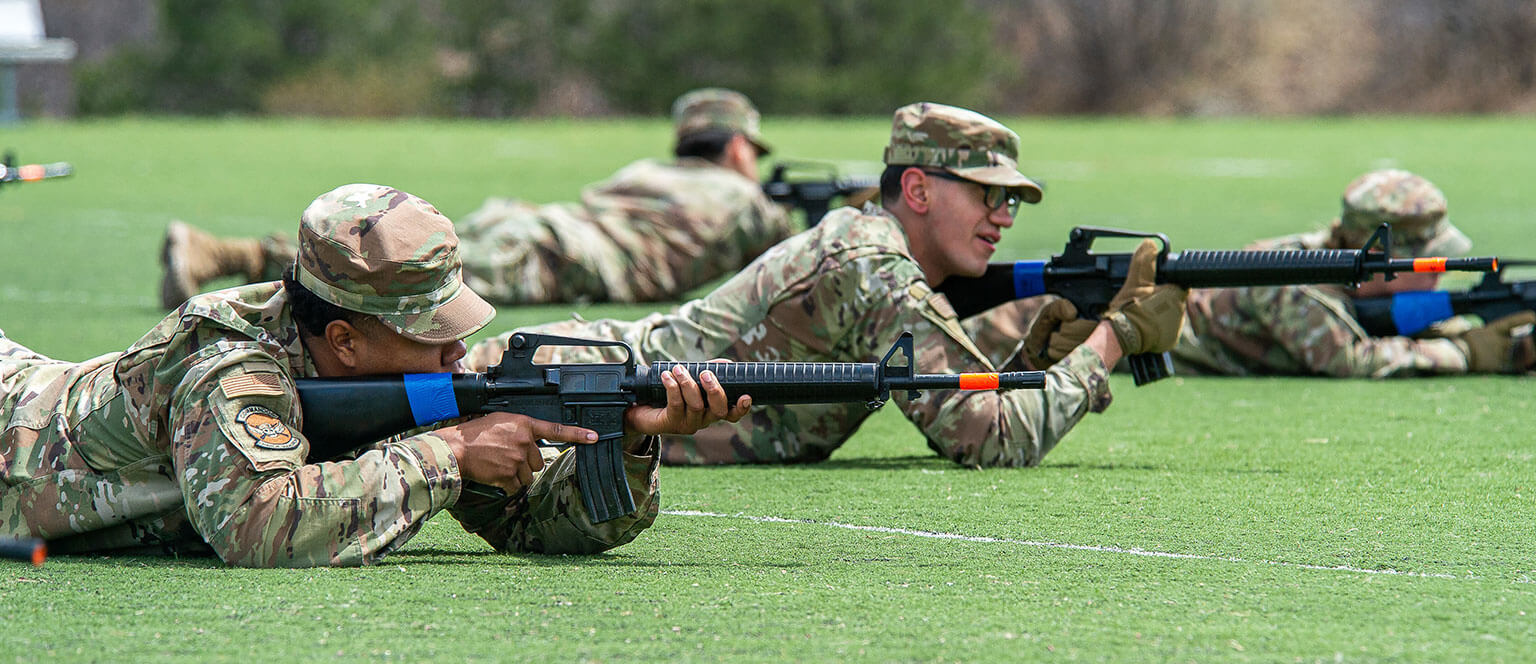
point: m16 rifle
(813, 193)
(10, 172)
(1090, 280)
(1409, 313)
(342, 414)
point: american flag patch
(251, 384)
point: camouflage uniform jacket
(190, 440)
(651, 232)
(1297, 330)
(843, 291)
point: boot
(191, 257)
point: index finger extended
(560, 433)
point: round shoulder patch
(266, 429)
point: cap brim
(462, 315)
(762, 148)
(1450, 241)
(1003, 176)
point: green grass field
(1197, 520)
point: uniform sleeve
(1320, 333)
(551, 517)
(972, 428)
(239, 459)
(999, 331)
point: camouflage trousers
(511, 257)
(32, 488)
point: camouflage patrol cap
(1413, 207)
(378, 250)
(718, 109)
(960, 141)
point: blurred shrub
(790, 56)
(583, 57)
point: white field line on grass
(1074, 547)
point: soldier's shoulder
(252, 316)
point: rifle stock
(1091, 280)
(343, 414)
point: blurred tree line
(494, 58)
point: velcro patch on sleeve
(251, 384)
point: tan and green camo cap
(1411, 205)
(960, 141)
(718, 109)
(378, 250)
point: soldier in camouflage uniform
(845, 289)
(1311, 330)
(651, 232)
(190, 441)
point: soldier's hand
(1495, 348)
(501, 449)
(691, 405)
(1055, 332)
(1146, 317)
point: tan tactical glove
(1146, 317)
(1055, 332)
(1494, 348)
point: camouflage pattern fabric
(189, 441)
(652, 232)
(1298, 331)
(1414, 207)
(959, 141)
(843, 292)
(718, 109)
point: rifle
(814, 196)
(28, 549)
(10, 172)
(1090, 280)
(342, 414)
(1408, 313)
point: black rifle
(1091, 280)
(31, 550)
(814, 195)
(342, 414)
(1409, 313)
(10, 172)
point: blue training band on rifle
(431, 397)
(1028, 278)
(1412, 312)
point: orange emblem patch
(264, 426)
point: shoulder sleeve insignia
(266, 429)
(251, 384)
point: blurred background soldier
(845, 289)
(189, 441)
(651, 232)
(1311, 330)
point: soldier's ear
(343, 340)
(914, 190)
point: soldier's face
(381, 350)
(1407, 281)
(965, 229)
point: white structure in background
(22, 40)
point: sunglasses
(993, 195)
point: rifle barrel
(31, 550)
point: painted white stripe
(1074, 547)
